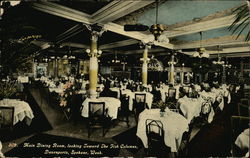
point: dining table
(112, 104)
(174, 125)
(23, 79)
(191, 108)
(22, 110)
(242, 141)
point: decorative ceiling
(63, 25)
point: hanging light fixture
(155, 65)
(116, 60)
(157, 29)
(219, 61)
(227, 65)
(201, 53)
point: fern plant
(242, 20)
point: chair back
(139, 104)
(154, 126)
(6, 117)
(96, 109)
(124, 103)
(140, 97)
(155, 136)
(171, 92)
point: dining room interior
(124, 78)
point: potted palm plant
(242, 20)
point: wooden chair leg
(127, 120)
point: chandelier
(155, 65)
(157, 29)
(116, 60)
(219, 61)
(201, 53)
(227, 65)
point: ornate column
(93, 53)
(171, 72)
(145, 60)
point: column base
(93, 94)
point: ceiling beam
(237, 51)
(117, 9)
(140, 51)
(232, 55)
(61, 11)
(230, 50)
(119, 44)
(133, 34)
(215, 23)
(75, 45)
(68, 32)
(72, 14)
(218, 41)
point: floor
(211, 140)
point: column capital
(146, 45)
(95, 30)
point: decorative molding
(59, 10)
(118, 9)
(76, 45)
(201, 26)
(118, 44)
(222, 41)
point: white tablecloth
(1, 153)
(56, 89)
(22, 110)
(116, 89)
(174, 126)
(112, 104)
(190, 107)
(242, 140)
(23, 79)
(207, 95)
(197, 88)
